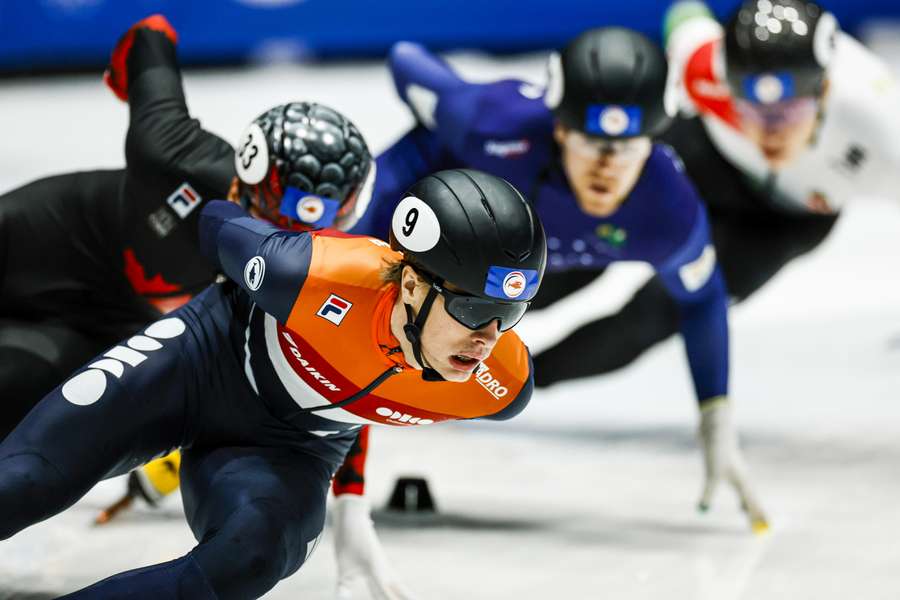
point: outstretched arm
(692, 38)
(421, 80)
(412, 157)
(162, 136)
(695, 281)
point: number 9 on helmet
(477, 233)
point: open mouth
(599, 188)
(462, 362)
(773, 153)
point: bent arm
(412, 157)
(692, 41)
(268, 263)
(162, 136)
(421, 79)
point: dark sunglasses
(475, 312)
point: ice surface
(591, 492)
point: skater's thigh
(242, 501)
(56, 347)
(123, 407)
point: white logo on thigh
(88, 386)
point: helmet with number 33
(303, 165)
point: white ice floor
(591, 492)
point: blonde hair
(392, 272)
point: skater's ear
(826, 86)
(234, 192)
(559, 132)
(412, 286)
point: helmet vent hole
(487, 209)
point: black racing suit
(87, 259)
(754, 239)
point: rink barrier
(37, 35)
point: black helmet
(610, 82)
(305, 164)
(476, 232)
(778, 49)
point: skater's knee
(261, 538)
(254, 550)
(31, 489)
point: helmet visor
(476, 312)
(624, 150)
(777, 114)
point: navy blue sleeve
(442, 102)
(268, 263)
(439, 100)
(694, 279)
(421, 80)
(412, 157)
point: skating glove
(724, 461)
(116, 75)
(360, 556)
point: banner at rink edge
(40, 35)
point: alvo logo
(486, 380)
(88, 386)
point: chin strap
(413, 331)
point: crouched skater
(263, 380)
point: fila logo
(184, 200)
(486, 380)
(398, 417)
(305, 364)
(88, 386)
(335, 309)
